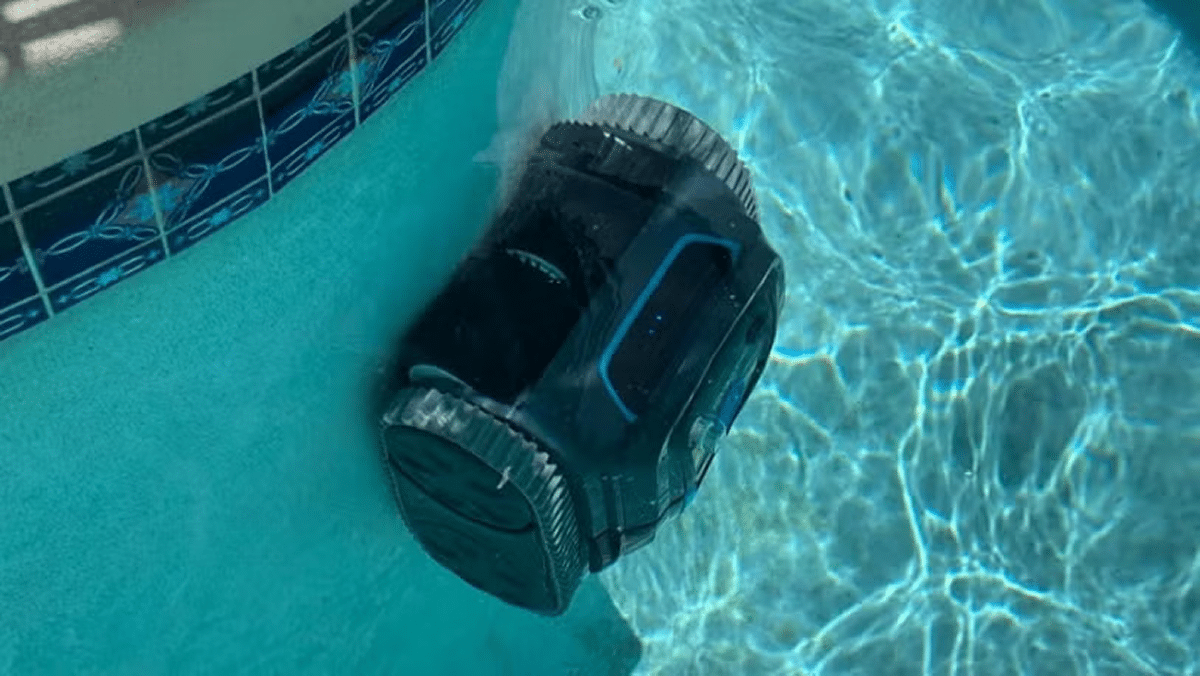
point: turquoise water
(189, 477)
(975, 451)
(977, 447)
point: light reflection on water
(976, 449)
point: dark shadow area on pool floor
(590, 639)
(1184, 15)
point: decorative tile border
(77, 227)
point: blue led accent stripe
(643, 298)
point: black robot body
(564, 393)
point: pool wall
(87, 222)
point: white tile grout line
(25, 249)
(257, 94)
(354, 83)
(49, 197)
(262, 128)
(159, 216)
(158, 212)
(428, 37)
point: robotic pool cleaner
(564, 394)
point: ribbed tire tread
(678, 129)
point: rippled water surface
(977, 447)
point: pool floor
(191, 481)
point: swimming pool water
(190, 480)
(976, 449)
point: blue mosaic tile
(383, 13)
(446, 18)
(91, 220)
(390, 50)
(16, 280)
(238, 205)
(18, 318)
(78, 167)
(121, 268)
(298, 161)
(208, 164)
(308, 112)
(279, 67)
(91, 223)
(198, 111)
